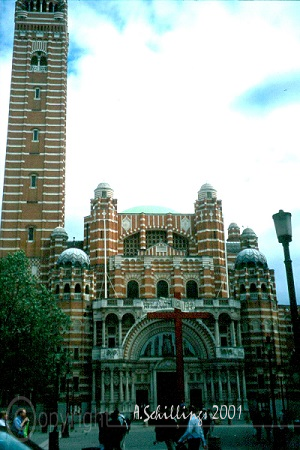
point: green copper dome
(250, 257)
(73, 257)
(148, 209)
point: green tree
(32, 329)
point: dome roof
(250, 257)
(207, 191)
(74, 257)
(247, 232)
(103, 190)
(59, 232)
(148, 209)
(233, 225)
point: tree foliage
(32, 327)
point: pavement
(238, 435)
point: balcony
(230, 352)
(156, 304)
(101, 354)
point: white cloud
(150, 107)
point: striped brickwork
(34, 181)
(175, 248)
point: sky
(166, 95)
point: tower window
(38, 62)
(132, 289)
(191, 289)
(30, 234)
(33, 181)
(37, 93)
(162, 289)
(35, 135)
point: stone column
(103, 334)
(229, 387)
(127, 386)
(94, 368)
(220, 386)
(212, 386)
(121, 392)
(232, 333)
(204, 387)
(217, 333)
(95, 333)
(103, 386)
(112, 385)
(238, 386)
(133, 399)
(239, 334)
(120, 333)
(245, 401)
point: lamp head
(283, 226)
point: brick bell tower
(34, 178)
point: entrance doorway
(166, 388)
(196, 398)
(142, 397)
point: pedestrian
(267, 421)
(257, 421)
(206, 422)
(166, 430)
(194, 432)
(116, 430)
(3, 420)
(102, 420)
(20, 424)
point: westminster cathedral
(163, 304)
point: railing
(38, 68)
(230, 352)
(99, 354)
(155, 304)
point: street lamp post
(283, 226)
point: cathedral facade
(214, 295)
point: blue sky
(177, 93)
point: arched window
(35, 135)
(242, 289)
(33, 181)
(87, 289)
(162, 289)
(57, 289)
(253, 287)
(77, 288)
(37, 93)
(263, 288)
(111, 323)
(191, 289)
(51, 7)
(38, 62)
(43, 61)
(30, 234)
(127, 322)
(67, 288)
(133, 289)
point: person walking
(116, 430)
(102, 420)
(166, 430)
(20, 424)
(194, 433)
(3, 420)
